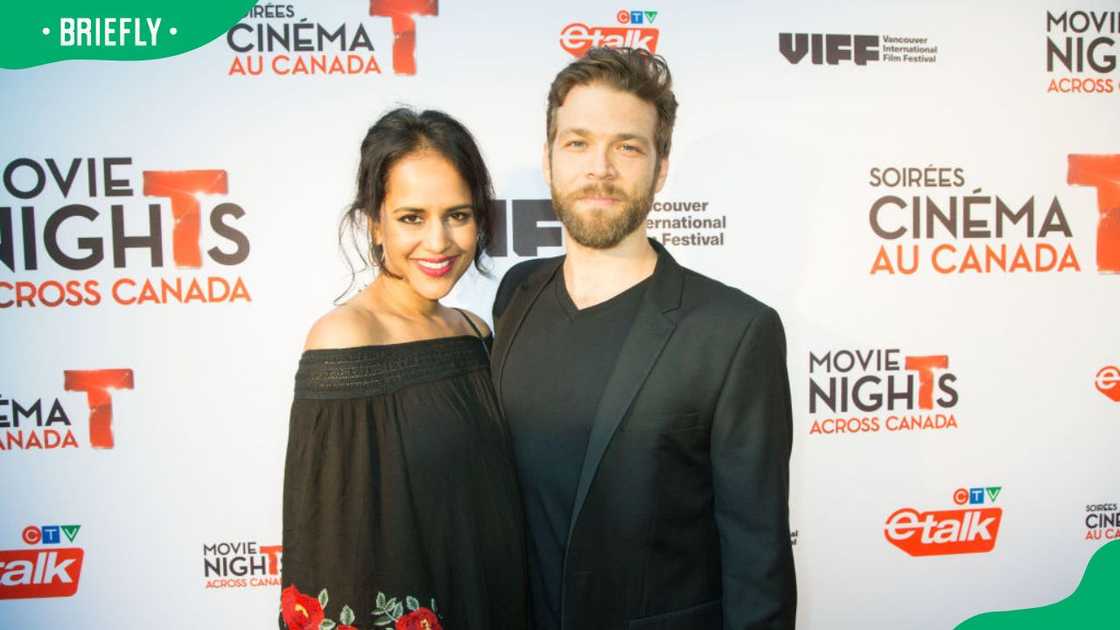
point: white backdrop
(783, 152)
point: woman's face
(427, 228)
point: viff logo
(867, 390)
(1108, 382)
(577, 38)
(972, 528)
(99, 215)
(45, 570)
(241, 564)
(834, 48)
(44, 423)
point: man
(649, 405)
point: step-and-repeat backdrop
(929, 194)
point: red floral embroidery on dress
(300, 612)
(303, 612)
(419, 619)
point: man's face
(603, 166)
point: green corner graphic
(71, 531)
(37, 33)
(1092, 604)
(993, 492)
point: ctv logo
(1108, 382)
(636, 17)
(33, 573)
(946, 532)
(578, 38)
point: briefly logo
(1108, 382)
(49, 571)
(241, 564)
(832, 49)
(578, 38)
(971, 529)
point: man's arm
(751, 441)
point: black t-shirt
(554, 376)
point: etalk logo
(946, 532)
(1108, 382)
(34, 573)
(577, 38)
(402, 12)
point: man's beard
(601, 228)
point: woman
(401, 509)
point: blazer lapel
(651, 330)
(514, 316)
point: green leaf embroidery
(346, 616)
(326, 624)
(382, 620)
(433, 602)
(380, 600)
(399, 610)
(323, 599)
(412, 602)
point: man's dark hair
(631, 70)
(403, 132)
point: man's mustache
(598, 190)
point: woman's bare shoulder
(478, 321)
(346, 326)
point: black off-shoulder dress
(401, 507)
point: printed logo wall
(957, 345)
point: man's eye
(576, 144)
(411, 219)
(631, 148)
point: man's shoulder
(717, 299)
(516, 277)
(519, 273)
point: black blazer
(681, 517)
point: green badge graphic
(1091, 605)
(120, 30)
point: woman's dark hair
(400, 133)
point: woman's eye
(461, 216)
